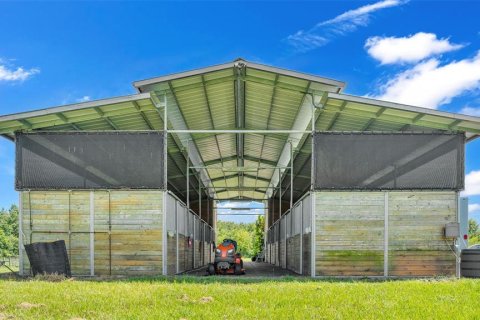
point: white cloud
(471, 111)
(430, 84)
(9, 73)
(84, 99)
(472, 184)
(474, 207)
(389, 50)
(347, 22)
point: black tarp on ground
(48, 258)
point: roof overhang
(145, 85)
(235, 117)
(398, 114)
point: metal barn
(353, 186)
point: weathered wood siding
(127, 228)
(307, 254)
(350, 233)
(416, 246)
(294, 253)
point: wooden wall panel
(127, 228)
(350, 226)
(307, 253)
(182, 253)
(293, 253)
(416, 226)
(349, 233)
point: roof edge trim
(76, 106)
(405, 107)
(336, 83)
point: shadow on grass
(190, 279)
(266, 279)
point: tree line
(9, 232)
(249, 236)
(473, 232)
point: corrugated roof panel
(222, 105)
(260, 74)
(253, 145)
(193, 106)
(258, 105)
(285, 109)
(93, 125)
(208, 148)
(227, 143)
(219, 74)
(272, 148)
(129, 122)
(293, 81)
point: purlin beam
(62, 117)
(145, 118)
(107, 119)
(272, 100)
(180, 121)
(240, 116)
(212, 123)
(305, 116)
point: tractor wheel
(211, 269)
(238, 269)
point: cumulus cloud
(471, 111)
(430, 84)
(347, 22)
(473, 208)
(84, 99)
(390, 50)
(10, 74)
(472, 184)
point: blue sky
(418, 52)
(224, 212)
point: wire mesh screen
(87, 160)
(389, 161)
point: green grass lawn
(239, 298)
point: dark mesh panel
(87, 160)
(389, 161)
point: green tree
(472, 228)
(259, 235)
(9, 232)
(473, 232)
(243, 233)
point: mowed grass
(236, 298)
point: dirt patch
(28, 305)
(184, 298)
(206, 299)
(4, 316)
(51, 277)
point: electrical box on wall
(452, 230)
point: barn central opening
(350, 186)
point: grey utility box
(452, 230)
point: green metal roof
(239, 95)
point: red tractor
(227, 259)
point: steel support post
(291, 176)
(188, 176)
